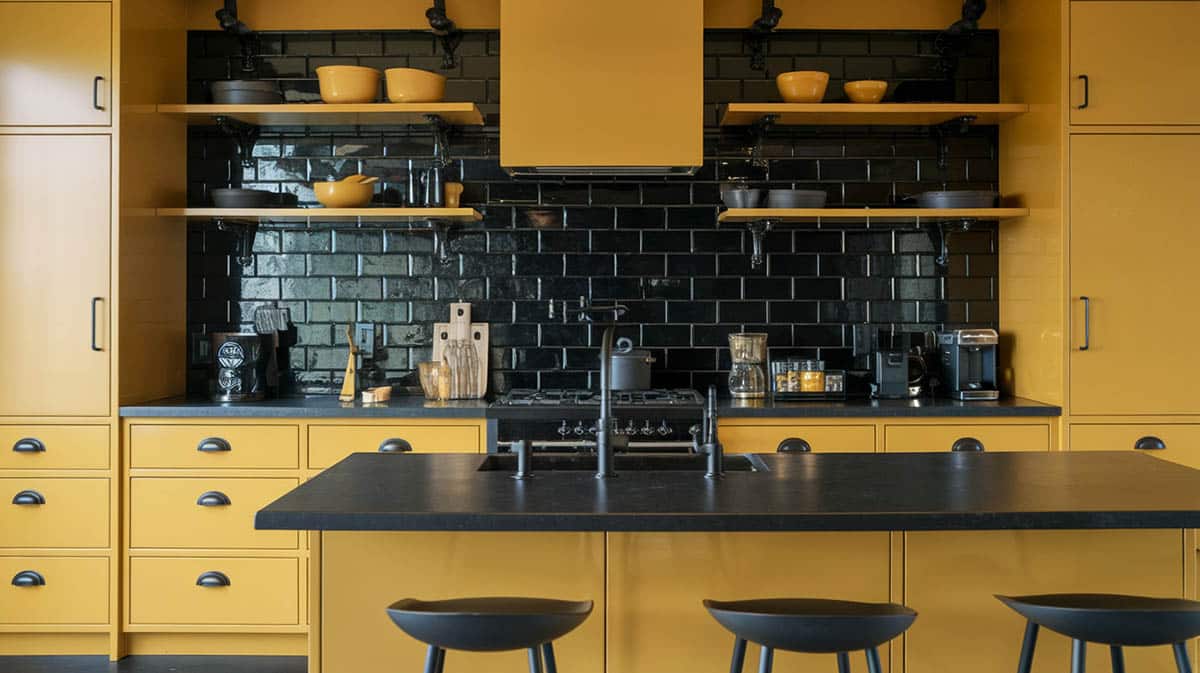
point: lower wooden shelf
(326, 214)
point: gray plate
(242, 198)
(964, 198)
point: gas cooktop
(553, 397)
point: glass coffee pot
(747, 379)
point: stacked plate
(963, 198)
(796, 198)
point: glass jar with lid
(812, 376)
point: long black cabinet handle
(967, 444)
(96, 92)
(95, 345)
(29, 445)
(395, 445)
(213, 578)
(1087, 323)
(1150, 443)
(1087, 92)
(794, 445)
(28, 578)
(213, 445)
(213, 499)
(29, 497)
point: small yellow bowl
(348, 83)
(802, 86)
(411, 85)
(352, 192)
(865, 90)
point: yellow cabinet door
(934, 438)
(1133, 244)
(53, 590)
(41, 512)
(1178, 443)
(205, 513)
(327, 444)
(56, 64)
(951, 576)
(54, 274)
(46, 447)
(225, 591)
(821, 438)
(656, 582)
(1140, 60)
(214, 447)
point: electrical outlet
(364, 339)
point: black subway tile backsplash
(653, 244)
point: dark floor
(155, 664)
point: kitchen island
(940, 532)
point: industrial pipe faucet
(712, 444)
(604, 447)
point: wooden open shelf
(326, 214)
(324, 114)
(878, 114)
(809, 215)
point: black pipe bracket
(244, 135)
(759, 35)
(245, 231)
(446, 31)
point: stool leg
(1181, 658)
(441, 662)
(431, 659)
(548, 656)
(766, 659)
(843, 662)
(873, 664)
(535, 660)
(739, 655)
(1118, 658)
(1078, 656)
(1025, 665)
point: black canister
(239, 367)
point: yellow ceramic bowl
(348, 83)
(865, 90)
(348, 193)
(410, 85)
(802, 86)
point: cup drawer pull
(29, 445)
(1150, 443)
(28, 578)
(213, 578)
(213, 499)
(213, 445)
(395, 445)
(794, 445)
(29, 497)
(967, 444)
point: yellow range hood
(601, 87)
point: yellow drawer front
(214, 446)
(260, 591)
(1181, 442)
(166, 512)
(932, 438)
(74, 513)
(54, 590)
(329, 444)
(49, 447)
(822, 438)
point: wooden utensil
(350, 384)
(453, 193)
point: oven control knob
(564, 430)
(579, 429)
(647, 429)
(630, 428)
(664, 429)
(592, 429)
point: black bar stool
(489, 625)
(1108, 619)
(810, 625)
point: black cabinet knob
(28, 578)
(29, 497)
(213, 445)
(967, 444)
(29, 445)
(395, 445)
(213, 499)
(794, 445)
(1150, 443)
(213, 578)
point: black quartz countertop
(839, 492)
(916, 408)
(308, 407)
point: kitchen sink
(643, 462)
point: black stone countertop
(839, 492)
(418, 407)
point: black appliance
(895, 362)
(969, 363)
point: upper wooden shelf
(879, 114)
(294, 214)
(872, 214)
(324, 114)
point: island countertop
(797, 492)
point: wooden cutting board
(479, 334)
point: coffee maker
(969, 363)
(895, 361)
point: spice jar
(812, 376)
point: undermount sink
(646, 462)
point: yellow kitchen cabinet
(656, 582)
(765, 438)
(363, 573)
(205, 513)
(214, 447)
(53, 590)
(53, 447)
(933, 438)
(56, 65)
(1140, 60)
(53, 513)
(54, 270)
(327, 444)
(214, 591)
(951, 576)
(1132, 250)
(1176, 442)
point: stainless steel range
(565, 419)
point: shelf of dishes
(817, 215)
(326, 214)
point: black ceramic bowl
(242, 198)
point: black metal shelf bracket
(759, 35)
(441, 139)
(939, 234)
(227, 18)
(243, 134)
(245, 231)
(957, 126)
(446, 31)
(758, 234)
(759, 131)
(443, 231)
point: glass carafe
(748, 350)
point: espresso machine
(968, 359)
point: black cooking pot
(630, 367)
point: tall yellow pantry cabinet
(65, 240)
